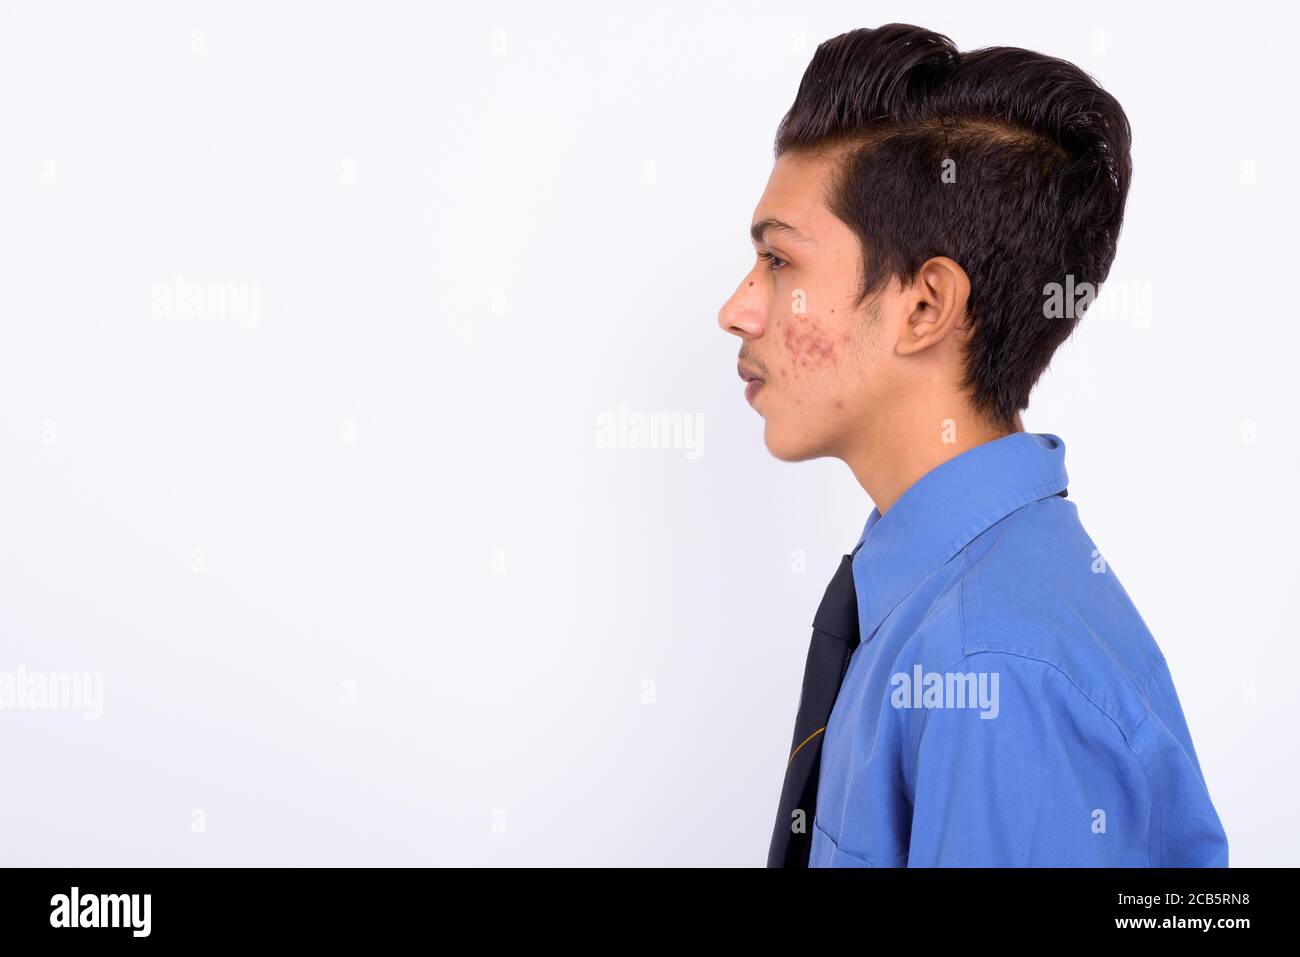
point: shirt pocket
(829, 853)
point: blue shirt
(1007, 705)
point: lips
(753, 382)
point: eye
(773, 262)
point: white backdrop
(318, 326)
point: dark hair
(1042, 170)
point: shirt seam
(968, 623)
(1146, 682)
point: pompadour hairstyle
(1035, 193)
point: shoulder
(1036, 587)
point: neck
(888, 463)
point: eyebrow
(758, 231)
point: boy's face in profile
(814, 353)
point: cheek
(811, 350)
(807, 341)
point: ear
(936, 304)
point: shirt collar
(944, 510)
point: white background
(473, 230)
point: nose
(745, 313)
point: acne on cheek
(808, 347)
(807, 342)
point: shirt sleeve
(1041, 777)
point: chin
(788, 447)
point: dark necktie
(834, 637)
